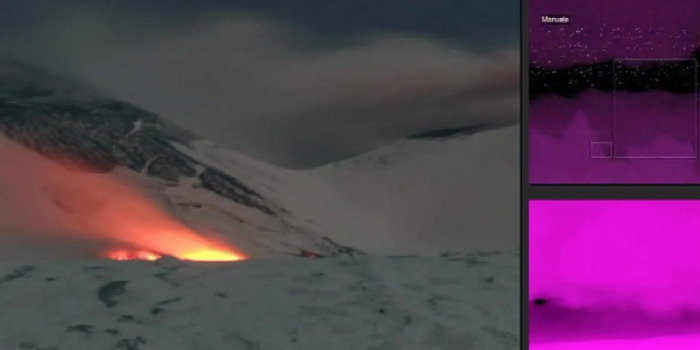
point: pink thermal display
(618, 274)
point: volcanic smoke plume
(52, 205)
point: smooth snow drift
(453, 302)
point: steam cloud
(271, 89)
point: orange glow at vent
(129, 216)
(181, 243)
(200, 255)
(138, 222)
(120, 211)
(122, 255)
(212, 255)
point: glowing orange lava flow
(212, 255)
(118, 209)
(135, 219)
(181, 243)
(137, 222)
(199, 255)
(123, 254)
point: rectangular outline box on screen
(600, 143)
(695, 107)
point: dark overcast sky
(296, 83)
(466, 22)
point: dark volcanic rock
(24, 271)
(108, 293)
(66, 122)
(99, 133)
(450, 132)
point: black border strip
(524, 182)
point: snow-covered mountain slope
(419, 196)
(61, 121)
(446, 303)
(79, 168)
(413, 197)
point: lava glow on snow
(126, 214)
(176, 241)
(132, 218)
(123, 254)
(208, 255)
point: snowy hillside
(45, 121)
(420, 196)
(413, 197)
(447, 303)
(83, 173)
